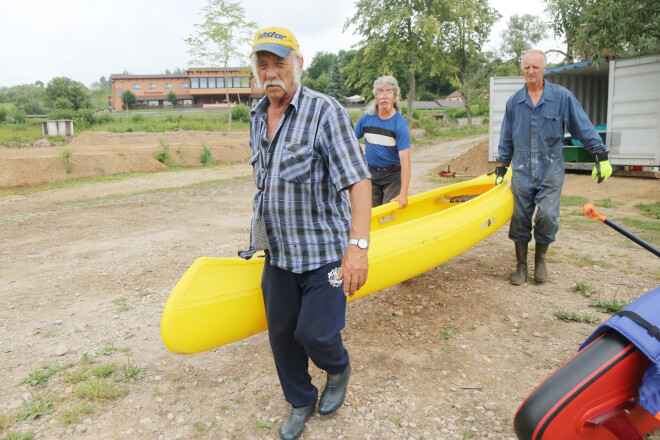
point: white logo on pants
(332, 277)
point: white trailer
(622, 93)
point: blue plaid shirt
(301, 177)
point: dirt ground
(85, 272)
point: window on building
(184, 86)
(220, 82)
(152, 86)
(237, 82)
(211, 83)
(203, 83)
(245, 82)
(168, 86)
(194, 83)
(136, 86)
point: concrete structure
(59, 127)
(198, 87)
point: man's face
(533, 68)
(276, 75)
(385, 97)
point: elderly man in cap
(312, 214)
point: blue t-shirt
(384, 138)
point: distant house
(197, 87)
(455, 96)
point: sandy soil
(449, 354)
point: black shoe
(334, 393)
(292, 427)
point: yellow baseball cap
(277, 40)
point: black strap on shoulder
(654, 331)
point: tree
(171, 98)
(605, 28)
(221, 37)
(337, 87)
(67, 93)
(523, 32)
(128, 98)
(396, 34)
(467, 31)
(322, 63)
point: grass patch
(107, 350)
(71, 416)
(575, 317)
(97, 389)
(607, 203)
(648, 230)
(16, 435)
(104, 370)
(130, 373)
(576, 224)
(612, 306)
(583, 289)
(572, 201)
(650, 209)
(585, 260)
(40, 377)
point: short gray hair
(385, 80)
(297, 58)
(532, 51)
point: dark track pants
(305, 315)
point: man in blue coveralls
(312, 217)
(532, 140)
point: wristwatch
(361, 243)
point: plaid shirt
(301, 177)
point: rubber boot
(540, 268)
(520, 275)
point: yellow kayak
(219, 301)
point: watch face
(362, 243)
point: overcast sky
(87, 39)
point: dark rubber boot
(292, 427)
(520, 275)
(540, 268)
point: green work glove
(603, 168)
(499, 174)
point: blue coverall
(532, 140)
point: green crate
(577, 154)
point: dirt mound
(101, 153)
(473, 162)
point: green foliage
(3, 114)
(321, 64)
(62, 92)
(130, 373)
(522, 34)
(20, 117)
(97, 389)
(104, 370)
(164, 155)
(64, 155)
(40, 377)
(397, 37)
(572, 201)
(171, 98)
(128, 98)
(607, 203)
(650, 209)
(583, 289)
(40, 407)
(240, 113)
(16, 435)
(574, 317)
(206, 158)
(612, 306)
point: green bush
(20, 117)
(3, 114)
(417, 113)
(241, 113)
(62, 113)
(138, 117)
(206, 158)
